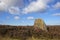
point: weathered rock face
(40, 24)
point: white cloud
(30, 18)
(39, 5)
(2, 6)
(57, 5)
(56, 14)
(5, 4)
(14, 10)
(16, 17)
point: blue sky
(24, 12)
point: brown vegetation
(24, 32)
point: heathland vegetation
(29, 33)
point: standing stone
(40, 24)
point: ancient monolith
(40, 24)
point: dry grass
(7, 38)
(31, 38)
(41, 38)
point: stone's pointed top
(38, 20)
(40, 24)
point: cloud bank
(34, 6)
(39, 5)
(5, 4)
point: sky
(24, 12)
